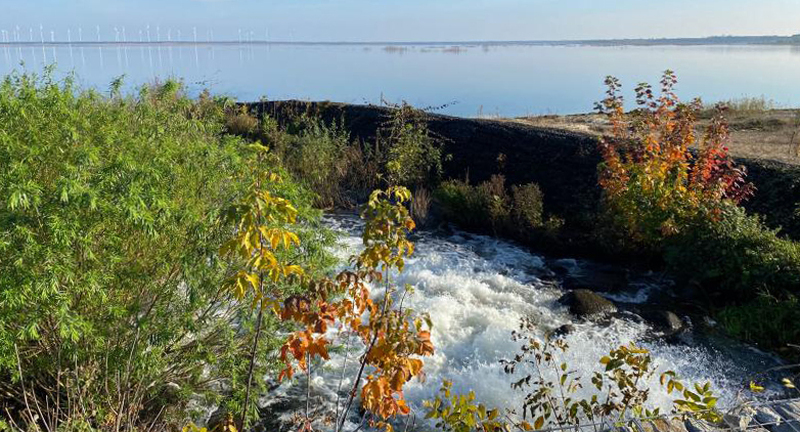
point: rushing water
(507, 80)
(477, 288)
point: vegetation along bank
(489, 165)
(162, 254)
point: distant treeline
(711, 40)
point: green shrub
(736, 254)
(343, 172)
(738, 260)
(488, 205)
(528, 205)
(109, 230)
(768, 321)
(317, 155)
(239, 121)
(461, 204)
(414, 156)
(493, 197)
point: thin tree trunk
(250, 371)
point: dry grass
(757, 129)
(420, 205)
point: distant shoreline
(713, 40)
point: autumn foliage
(658, 174)
(392, 338)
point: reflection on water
(502, 79)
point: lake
(465, 80)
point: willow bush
(112, 314)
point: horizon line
(390, 42)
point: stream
(478, 288)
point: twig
(22, 383)
(153, 423)
(308, 386)
(352, 396)
(13, 423)
(341, 378)
(252, 366)
(361, 424)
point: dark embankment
(564, 164)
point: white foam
(477, 289)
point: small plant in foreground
(460, 413)
(260, 235)
(393, 339)
(552, 387)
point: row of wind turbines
(149, 45)
(16, 36)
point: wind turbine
(125, 41)
(69, 41)
(41, 36)
(100, 49)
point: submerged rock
(564, 266)
(585, 304)
(664, 320)
(562, 330)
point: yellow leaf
(755, 388)
(274, 239)
(293, 269)
(253, 279)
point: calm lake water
(471, 80)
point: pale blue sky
(405, 20)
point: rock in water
(563, 330)
(664, 320)
(585, 304)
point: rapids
(477, 288)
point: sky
(399, 20)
